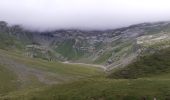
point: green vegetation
(38, 53)
(9, 42)
(118, 51)
(103, 58)
(41, 78)
(151, 73)
(67, 50)
(148, 65)
(8, 81)
(101, 89)
(56, 67)
(158, 29)
(20, 73)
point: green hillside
(102, 89)
(20, 73)
(67, 50)
(151, 73)
(135, 59)
(9, 42)
(7, 80)
(148, 65)
(103, 58)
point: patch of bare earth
(24, 72)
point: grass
(148, 65)
(103, 58)
(62, 73)
(53, 66)
(152, 79)
(9, 42)
(67, 50)
(145, 79)
(8, 81)
(102, 89)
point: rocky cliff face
(110, 48)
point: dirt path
(93, 65)
(25, 72)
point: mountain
(146, 66)
(145, 79)
(109, 48)
(20, 73)
(68, 64)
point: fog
(82, 14)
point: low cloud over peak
(82, 14)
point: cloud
(82, 14)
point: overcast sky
(82, 14)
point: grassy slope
(56, 67)
(158, 63)
(152, 73)
(67, 50)
(154, 83)
(102, 89)
(53, 71)
(119, 49)
(9, 42)
(7, 80)
(103, 58)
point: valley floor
(92, 65)
(20, 73)
(100, 89)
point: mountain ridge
(134, 61)
(108, 47)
